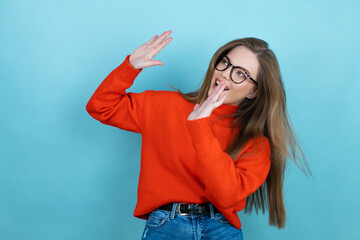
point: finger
(162, 45)
(153, 63)
(157, 62)
(218, 90)
(162, 37)
(152, 39)
(221, 100)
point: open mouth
(217, 83)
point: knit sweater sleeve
(228, 182)
(111, 105)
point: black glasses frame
(232, 69)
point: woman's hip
(174, 224)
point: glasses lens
(238, 75)
(222, 65)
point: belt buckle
(179, 211)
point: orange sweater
(181, 160)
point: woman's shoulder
(162, 102)
(167, 96)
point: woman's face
(243, 57)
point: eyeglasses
(237, 73)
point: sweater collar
(224, 109)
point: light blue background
(64, 175)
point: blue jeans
(163, 224)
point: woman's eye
(224, 61)
(241, 74)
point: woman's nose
(226, 73)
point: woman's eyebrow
(240, 66)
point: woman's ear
(252, 93)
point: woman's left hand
(212, 102)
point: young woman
(210, 153)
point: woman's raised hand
(142, 56)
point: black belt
(190, 208)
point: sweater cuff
(127, 61)
(120, 78)
(126, 71)
(200, 129)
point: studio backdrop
(64, 175)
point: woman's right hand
(142, 56)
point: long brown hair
(265, 115)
